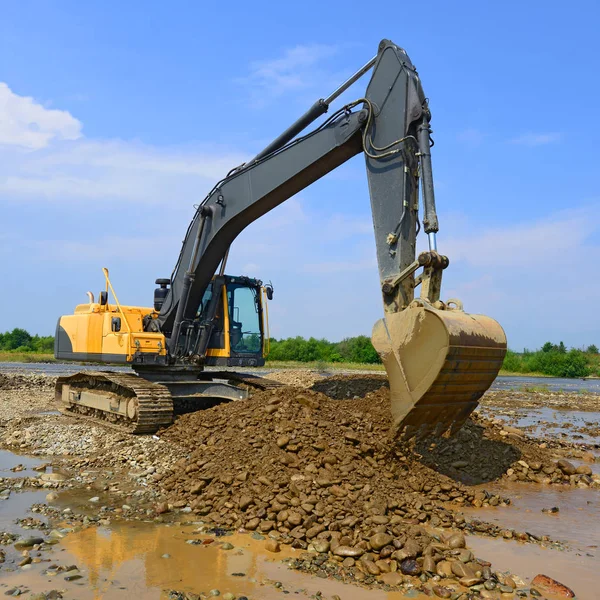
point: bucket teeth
(439, 364)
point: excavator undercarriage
(439, 359)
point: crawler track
(130, 403)
(152, 401)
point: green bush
(357, 349)
(19, 340)
(553, 360)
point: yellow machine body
(114, 333)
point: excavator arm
(389, 116)
(439, 359)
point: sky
(117, 118)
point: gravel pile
(485, 450)
(304, 378)
(26, 381)
(350, 386)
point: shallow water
(577, 524)
(8, 460)
(126, 560)
(549, 422)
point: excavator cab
(240, 323)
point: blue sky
(116, 118)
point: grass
(319, 365)
(26, 357)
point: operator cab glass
(244, 318)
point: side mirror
(103, 298)
(269, 290)
(115, 324)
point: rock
(346, 551)
(197, 487)
(72, 575)
(252, 524)
(161, 508)
(321, 546)
(245, 502)
(429, 564)
(551, 586)
(409, 566)
(94, 499)
(459, 464)
(456, 540)
(441, 591)
(314, 531)
(28, 542)
(214, 592)
(283, 441)
(379, 540)
(444, 568)
(226, 546)
(272, 546)
(584, 470)
(461, 570)
(371, 567)
(228, 596)
(566, 467)
(51, 497)
(53, 477)
(392, 579)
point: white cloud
(27, 124)
(114, 170)
(536, 139)
(541, 243)
(299, 68)
(43, 156)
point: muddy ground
(307, 474)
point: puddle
(551, 423)
(577, 522)
(125, 561)
(17, 506)
(9, 460)
(573, 569)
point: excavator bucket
(439, 364)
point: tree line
(20, 340)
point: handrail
(109, 286)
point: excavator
(439, 359)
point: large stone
(272, 545)
(379, 540)
(461, 570)
(392, 578)
(566, 467)
(456, 540)
(551, 586)
(444, 568)
(429, 564)
(348, 551)
(409, 566)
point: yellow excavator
(439, 359)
